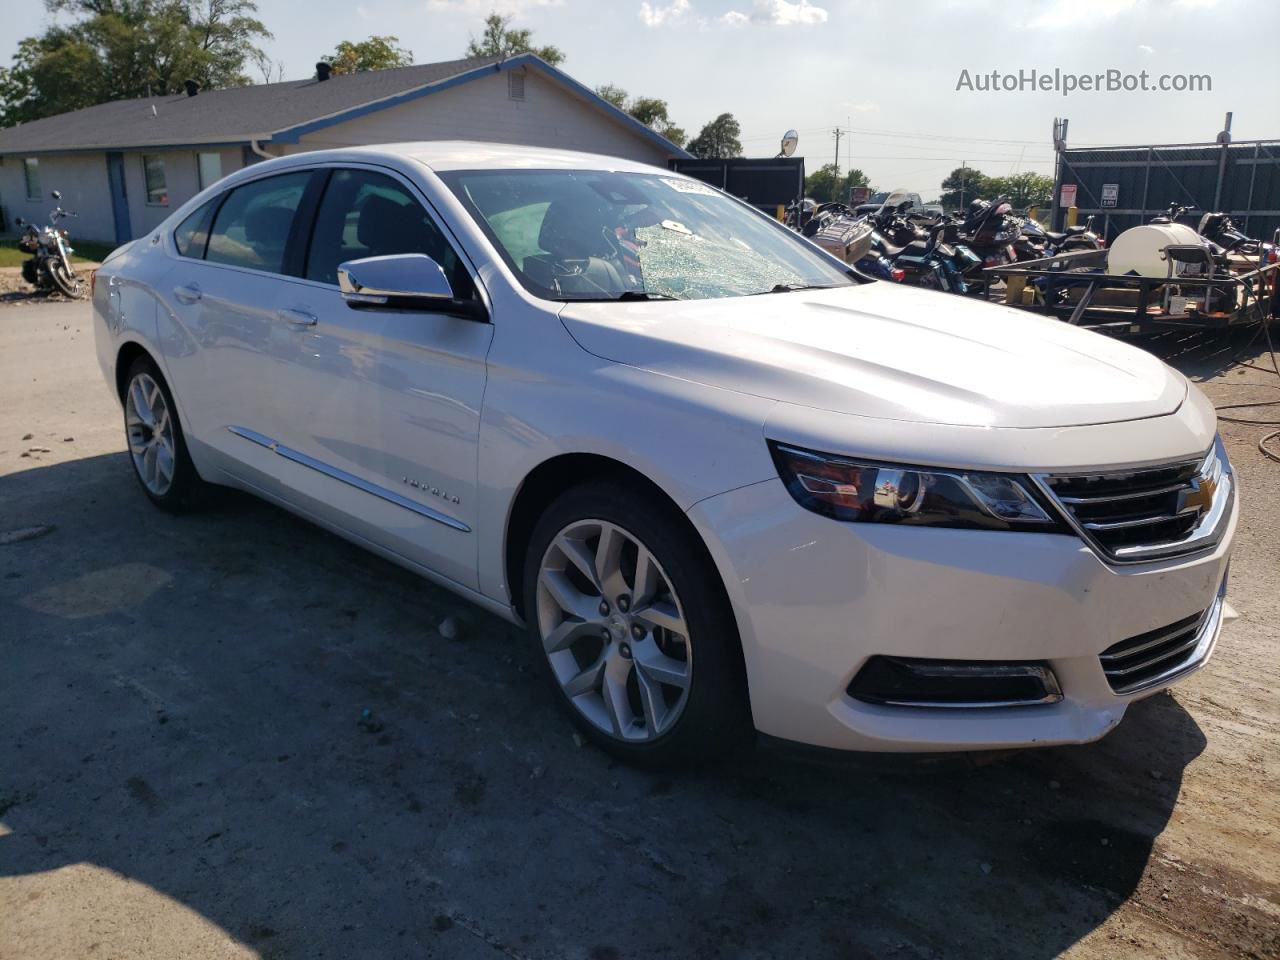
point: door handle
(188, 293)
(297, 318)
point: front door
(379, 410)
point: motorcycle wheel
(68, 282)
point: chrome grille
(1149, 513)
(1160, 655)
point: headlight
(865, 492)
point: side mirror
(403, 280)
(56, 194)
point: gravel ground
(187, 768)
(15, 291)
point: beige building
(122, 166)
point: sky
(884, 71)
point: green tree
(966, 183)
(827, 183)
(718, 139)
(614, 94)
(1024, 190)
(651, 111)
(499, 40)
(116, 49)
(376, 53)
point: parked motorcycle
(1036, 242)
(1218, 228)
(49, 267)
(932, 257)
(846, 235)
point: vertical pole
(963, 179)
(1059, 143)
(837, 133)
(1146, 182)
(1224, 138)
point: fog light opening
(954, 684)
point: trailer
(1075, 287)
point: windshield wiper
(625, 295)
(793, 287)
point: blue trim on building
(119, 196)
(293, 134)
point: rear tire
(632, 628)
(157, 447)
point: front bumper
(815, 598)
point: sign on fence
(1068, 198)
(1110, 194)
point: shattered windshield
(597, 235)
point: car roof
(444, 155)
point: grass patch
(11, 256)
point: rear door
(225, 293)
(379, 410)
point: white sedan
(725, 481)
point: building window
(515, 84)
(209, 166)
(153, 174)
(31, 171)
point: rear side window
(252, 227)
(365, 214)
(192, 235)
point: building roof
(275, 112)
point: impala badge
(428, 488)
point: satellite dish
(789, 141)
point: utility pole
(963, 180)
(837, 133)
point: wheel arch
(554, 476)
(126, 355)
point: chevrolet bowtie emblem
(1198, 497)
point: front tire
(157, 447)
(67, 281)
(632, 627)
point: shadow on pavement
(183, 703)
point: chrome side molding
(351, 480)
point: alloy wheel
(149, 426)
(614, 630)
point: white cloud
(780, 13)
(785, 14)
(1146, 50)
(676, 12)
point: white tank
(1138, 249)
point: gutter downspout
(253, 145)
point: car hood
(886, 351)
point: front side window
(31, 173)
(602, 235)
(252, 226)
(366, 214)
(209, 167)
(153, 177)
